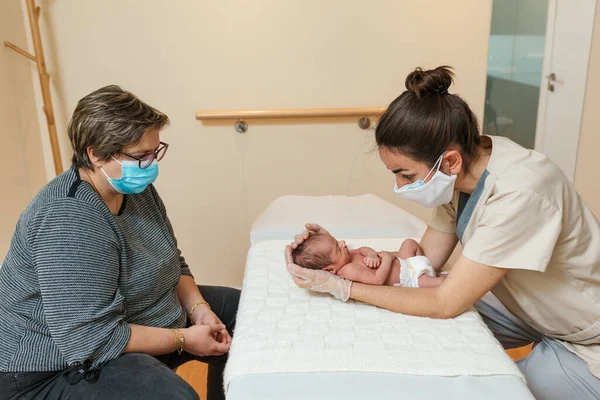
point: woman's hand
(200, 340)
(310, 229)
(203, 315)
(318, 281)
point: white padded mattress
(283, 329)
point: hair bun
(431, 82)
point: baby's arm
(371, 259)
(358, 273)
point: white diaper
(412, 268)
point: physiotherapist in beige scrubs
(527, 237)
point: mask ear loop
(104, 172)
(436, 166)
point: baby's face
(339, 254)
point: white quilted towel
(282, 328)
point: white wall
(587, 182)
(22, 171)
(181, 56)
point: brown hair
(425, 120)
(108, 120)
(309, 254)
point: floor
(194, 372)
(519, 353)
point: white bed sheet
(365, 216)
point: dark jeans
(134, 375)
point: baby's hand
(372, 262)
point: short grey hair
(110, 119)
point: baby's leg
(426, 281)
(410, 248)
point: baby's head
(322, 251)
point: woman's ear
(94, 159)
(452, 162)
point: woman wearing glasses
(97, 300)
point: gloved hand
(318, 281)
(310, 229)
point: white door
(537, 73)
(568, 44)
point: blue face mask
(133, 178)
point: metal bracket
(364, 123)
(241, 126)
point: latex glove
(318, 281)
(310, 229)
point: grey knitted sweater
(75, 276)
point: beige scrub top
(525, 215)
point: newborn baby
(406, 267)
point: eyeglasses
(149, 158)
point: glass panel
(514, 74)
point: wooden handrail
(290, 113)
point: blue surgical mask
(133, 178)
